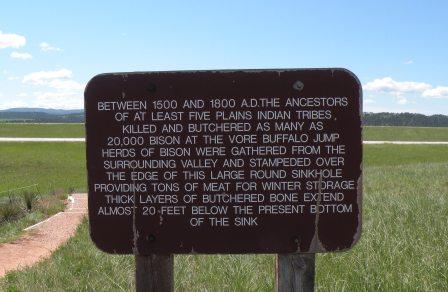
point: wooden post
(154, 273)
(295, 272)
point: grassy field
(393, 155)
(51, 166)
(45, 169)
(405, 134)
(42, 130)
(48, 170)
(370, 133)
(403, 246)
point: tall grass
(53, 166)
(11, 209)
(26, 208)
(405, 235)
(30, 199)
(403, 248)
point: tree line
(404, 119)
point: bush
(29, 198)
(11, 210)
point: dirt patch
(44, 237)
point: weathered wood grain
(154, 273)
(295, 272)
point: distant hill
(42, 115)
(43, 110)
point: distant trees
(369, 119)
(404, 119)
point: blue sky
(398, 49)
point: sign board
(245, 161)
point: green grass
(44, 168)
(405, 134)
(370, 133)
(79, 266)
(405, 235)
(50, 165)
(25, 208)
(42, 130)
(12, 230)
(388, 154)
(403, 246)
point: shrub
(29, 198)
(11, 210)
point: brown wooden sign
(246, 161)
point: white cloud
(402, 100)
(403, 90)
(397, 89)
(43, 77)
(408, 62)
(9, 76)
(387, 84)
(62, 100)
(65, 84)
(11, 40)
(46, 47)
(21, 56)
(22, 94)
(57, 79)
(438, 92)
(58, 89)
(369, 101)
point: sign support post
(295, 272)
(154, 273)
